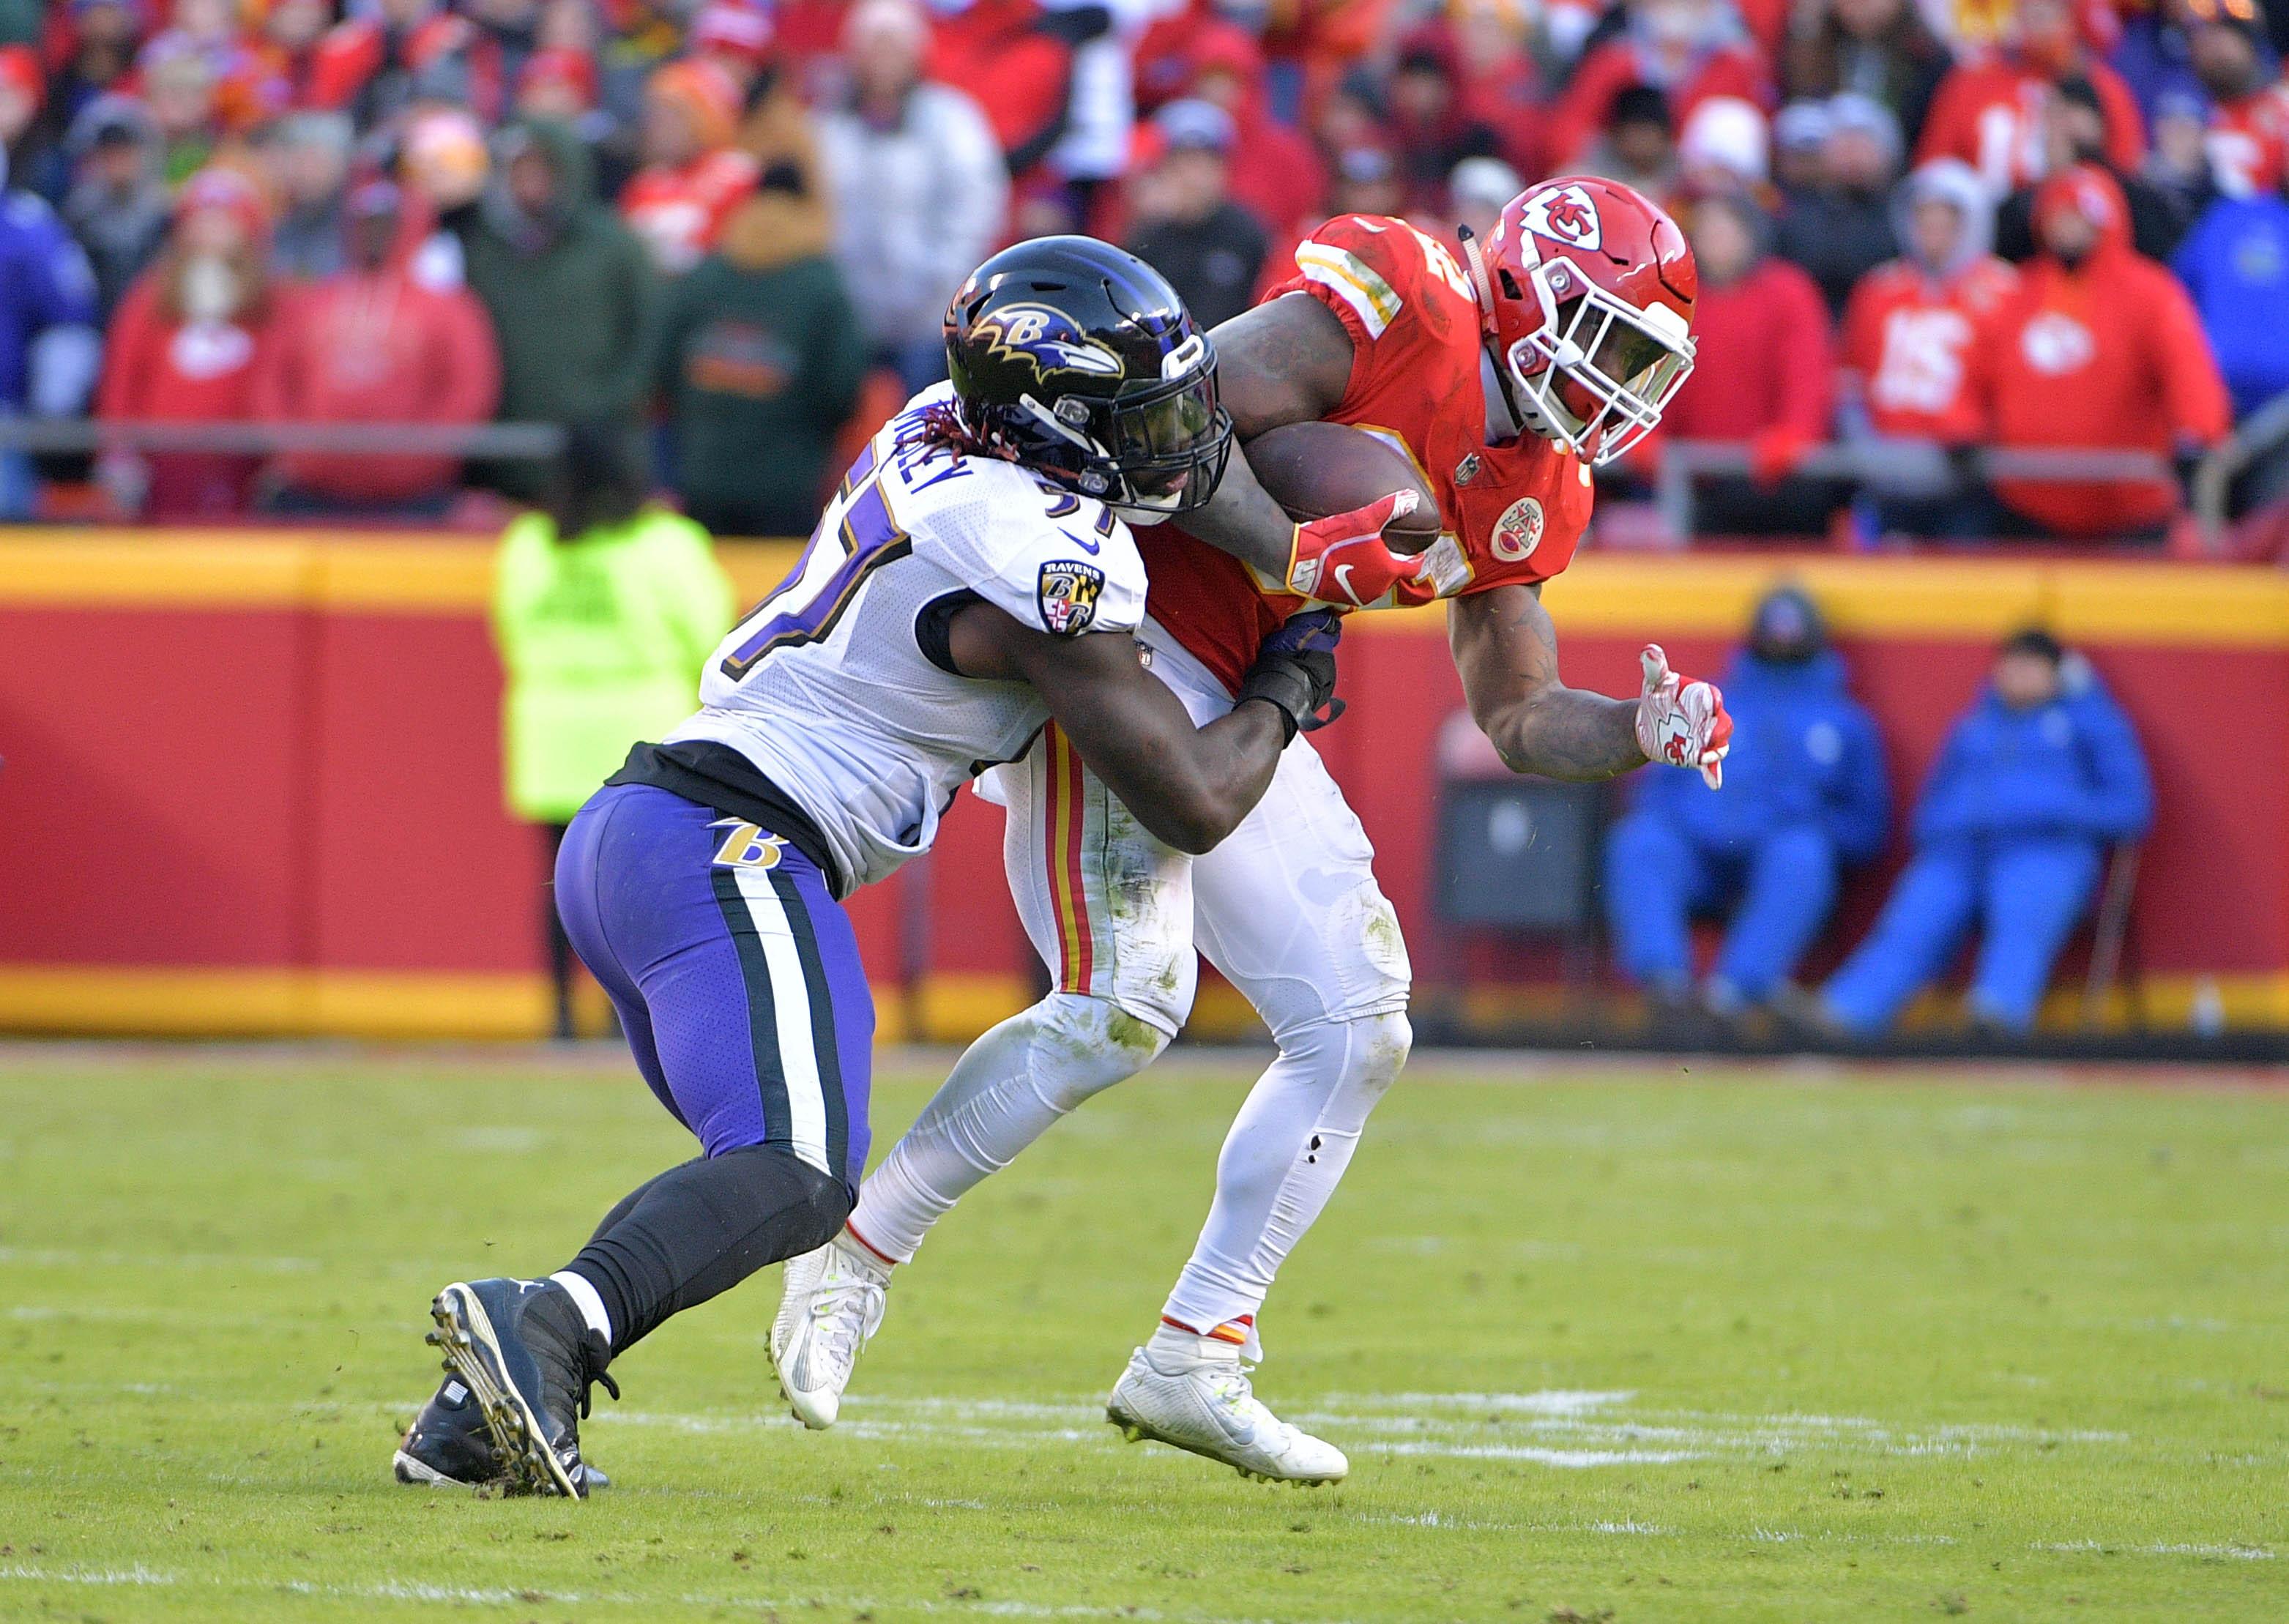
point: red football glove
(1342, 559)
(1682, 721)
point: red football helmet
(1585, 294)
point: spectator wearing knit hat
(1430, 124)
(1276, 174)
(1187, 226)
(373, 344)
(760, 348)
(308, 156)
(916, 184)
(1841, 229)
(1637, 146)
(2074, 131)
(692, 175)
(574, 300)
(1764, 376)
(116, 206)
(184, 346)
(1916, 335)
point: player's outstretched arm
(1505, 650)
(1189, 786)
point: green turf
(1619, 1344)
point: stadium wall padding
(252, 779)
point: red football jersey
(679, 212)
(2248, 142)
(1911, 341)
(1512, 513)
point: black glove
(1295, 671)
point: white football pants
(1287, 908)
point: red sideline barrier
(252, 783)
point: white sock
(1004, 1092)
(592, 1306)
(1282, 1160)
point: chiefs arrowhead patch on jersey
(1068, 592)
(1519, 531)
(1567, 215)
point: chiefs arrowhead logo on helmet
(1566, 214)
(1586, 290)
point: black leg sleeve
(700, 1229)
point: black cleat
(522, 1349)
(449, 1447)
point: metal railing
(492, 442)
(2261, 433)
(1904, 466)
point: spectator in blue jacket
(1805, 795)
(2037, 780)
(48, 348)
(2236, 264)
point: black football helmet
(1080, 361)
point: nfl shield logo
(1467, 470)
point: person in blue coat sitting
(2037, 780)
(1805, 795)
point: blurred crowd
(717, 236)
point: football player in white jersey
(973, 581)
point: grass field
(1605, 1343)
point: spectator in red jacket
(2102, 349)
(1276, 173)
(1431, 124)
(1688, 49)
(1763, 373)
(184, 346)
(1989, 111)
(1913, 335)
(693, 176)
(374, 345)
(2249, 111)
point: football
(1314, 469)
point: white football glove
(1681, 720)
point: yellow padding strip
(1636, 594)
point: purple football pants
(734, 970)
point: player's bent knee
(808, 1206)
(1089, 1043)
(1380, 1045)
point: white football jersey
(830, 686)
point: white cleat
(1201, 1401)
(830, 1304)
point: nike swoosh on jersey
(1082, 542)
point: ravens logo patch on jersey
(1069, 590)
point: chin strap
(1474, 258)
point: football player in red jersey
(1506, 371)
